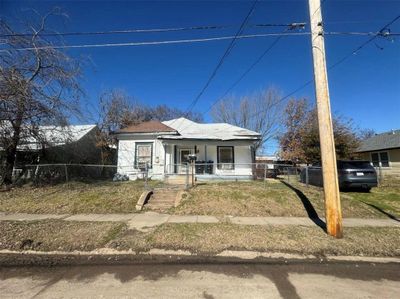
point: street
(246, 280)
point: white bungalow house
(163, 148)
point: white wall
(126, 157)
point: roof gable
(152, 126)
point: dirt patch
(214, 238)
(49, 235)
(74, 198)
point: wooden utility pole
(333, 212)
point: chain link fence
(184, 174)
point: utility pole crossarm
(333, 213)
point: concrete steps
(162, 199)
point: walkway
(144, 221)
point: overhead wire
(224, 56)
(149, 30)
(340, 61)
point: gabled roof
(188, 129)
(55, 136)
(152, 126)
(382, 141)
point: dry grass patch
(214, 238)
(49, 235)
(257, 198)
(74, 198)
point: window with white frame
(226, 158)
(144, 155)
(380, 159)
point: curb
(105, 256)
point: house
(163, 149)
(383, 150)
(56, 144)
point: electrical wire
(165, 42)
(152, 30)
(224, 56)
(382, 32)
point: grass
(256, 198)
(214, 238)
(74, 198)
(58, 235)
(49, 235)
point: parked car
(353, 174)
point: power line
(197, 40)
(221, 61)
(151, 30)
(258, 60)
(383, 32)
(164, 42)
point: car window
(354, 164)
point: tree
(118, 110)
(291, 141)
(366, 133)
(38, 86)
(300, 142)
(259, 112)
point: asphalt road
(344, 280)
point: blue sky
(366, 87)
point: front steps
(162, 199)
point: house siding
(126, 157)
(394, 161)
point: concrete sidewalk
(144, 221)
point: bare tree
(260, 112)
(118, 110)
(300, 142)
(37, 86)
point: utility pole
(333, 212)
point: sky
(366, 87)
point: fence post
(307, 176)
(287, 171)
(145, 178)
(192, 167)
(265, 175)
(187, 176)
(66, 172)
(380, 175)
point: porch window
(144, 155)
(226, 159)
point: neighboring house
(383, 150)
(164, 148)
(54, 144)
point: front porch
(214, 160)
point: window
(144, 155)
(384, 157)
(375, 159)
(225, 157)
(380, 159)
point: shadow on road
(311, 212)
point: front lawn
(277, 198)
(214, 238)
(74, 198)
(59, 235)
(50, 235)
